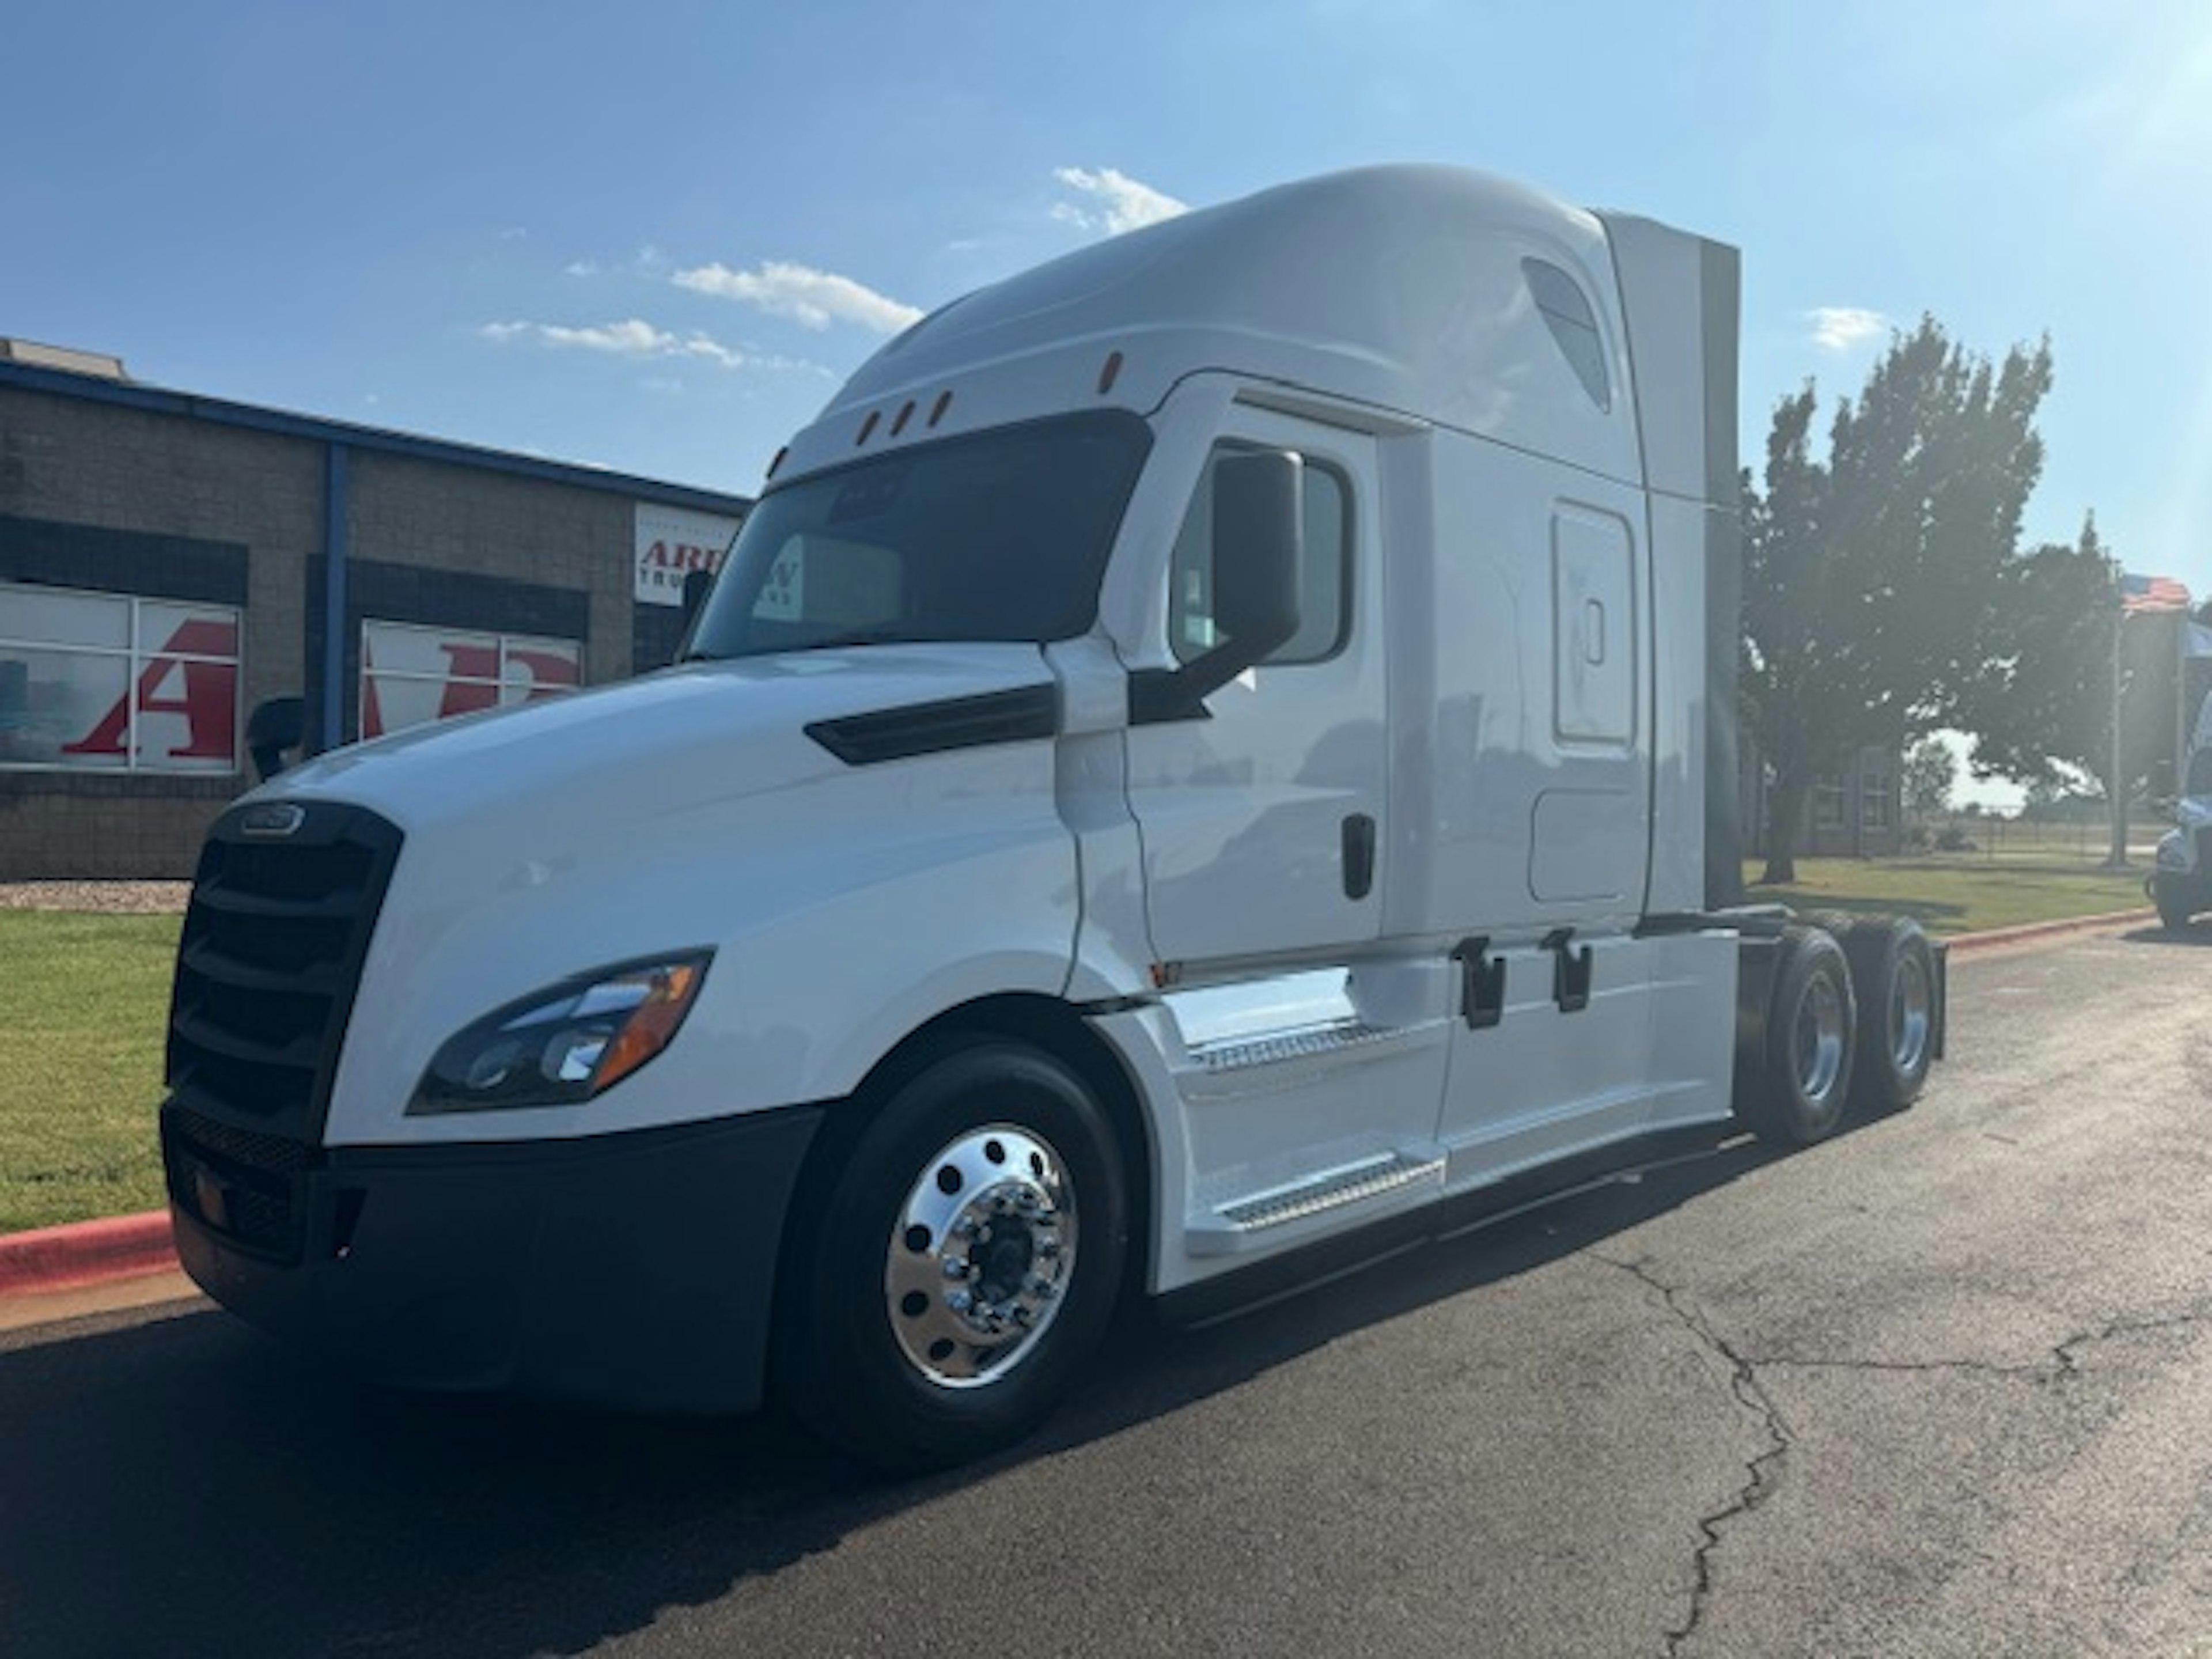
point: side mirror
(1259, 532)
(698, 585)
(1258, 544)
(273, 727)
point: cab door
(1262, 821)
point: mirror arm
(1160, 694)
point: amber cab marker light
(773, 465)
(1111, 374)
(904, 416)
(867, 426)
(944, 403)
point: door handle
(1358, 856)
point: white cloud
(580, 268)
(1113, 202)
(1839, 328)
(635, 337)
(813, 299)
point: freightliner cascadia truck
(1209, 759)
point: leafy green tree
(1929, 772)
(1868, 575)
(2041, 709)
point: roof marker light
(944, 402)
(904, 416)
(779, 460)
(867, 426)
(1111, 374)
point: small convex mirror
(1259, 529)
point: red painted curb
(1968, 943)
(86, 1252)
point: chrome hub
(981, 1255)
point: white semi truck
(1210, 757)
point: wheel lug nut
(955, 1267)
(960, 1302)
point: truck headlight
(566, 1043)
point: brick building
(1854, 810)
(167, 561)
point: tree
(2041, 710)
(1869, 576)
(1928, 771)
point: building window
(1828, 802)
(1873, 801)
(411, 675)
(110, 682)
(1324, 578)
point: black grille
(270, 956)
(248, 1186)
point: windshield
(1000, 536)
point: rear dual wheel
(1894, 973)
(1851, 1022)
(1800, 1075)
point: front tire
(958, 1264)
(2172, 898)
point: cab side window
(1324, 577)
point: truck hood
(672, 742)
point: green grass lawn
(83, 999)
(1959, 893)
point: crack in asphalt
(2064, 1361)
(1761, 1472)
(2065, 1352)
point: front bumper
(636, 1270)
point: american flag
(2140, 593)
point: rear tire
(1797, 1088)
(957, 1262)
(1893, 977)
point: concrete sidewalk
(129, 1261)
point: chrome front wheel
(981, 1255)
(954, 1258)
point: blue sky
(654, 236)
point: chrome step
(1236, 1055)
(1370, 1177)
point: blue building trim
(123, 394)
(334, 596)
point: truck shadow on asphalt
(2198, 938)
(187, 1486)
